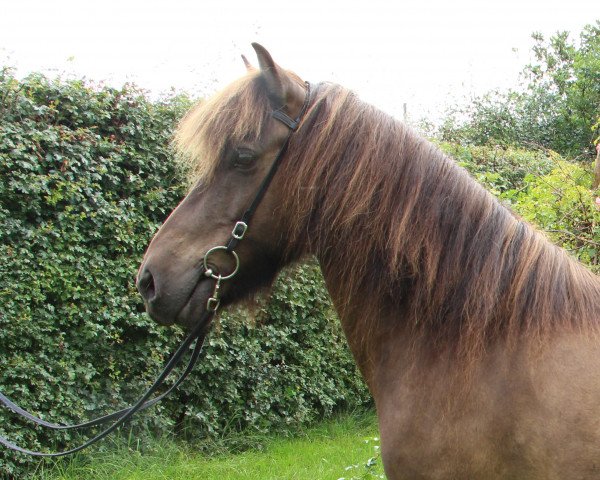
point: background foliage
(550, 192)
(501, 168)
(562, 205)
(556, 106)
(86, 178)
(516, 142)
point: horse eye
(244, 158)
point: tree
(555, 106)
(596, 183)
(571, 73)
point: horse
(477, 337)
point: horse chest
(521, 416)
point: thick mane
(406, 227)
(401, 224)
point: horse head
(232, 142)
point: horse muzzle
(174, 302)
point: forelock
(238, 113)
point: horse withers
(477, 337)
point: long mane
(407, 228)
(403, 226)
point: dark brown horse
(476, 336)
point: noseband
(199, 332)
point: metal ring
(210, 273)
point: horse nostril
(145, 285)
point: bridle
(241, 226)
(198, 333)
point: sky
(427, 54)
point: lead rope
(199, 332)
(127, 413)
(97, 421)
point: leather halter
(197, 335)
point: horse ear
(249, 66)
(271, 73)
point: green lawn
(336, 449)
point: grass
(340, 448)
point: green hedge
(562, 204)
(86, 178)
(501, 168)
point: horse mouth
(191, 313)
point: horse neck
(529, 295)
(412, 247)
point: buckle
(239, 230)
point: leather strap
(242, 225)
(198, 335)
